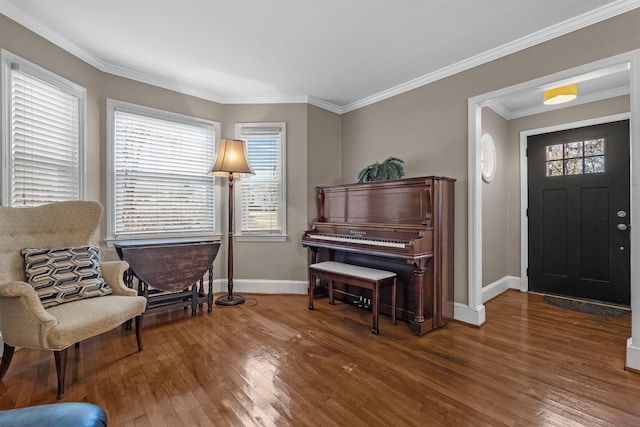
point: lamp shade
(231, 158)
(559, 95)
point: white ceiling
(337, 54)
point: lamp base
(230, 300)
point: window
(43, 135)
(262, 196)
(158, 181)
(575, 158)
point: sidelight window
(576, 158)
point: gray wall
(324, 153)
(495, 236)
(252, 260)
(427, 127)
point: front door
(579, 213)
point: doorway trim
(524, 224)
(474, 311)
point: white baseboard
(476, 315)
(633, 356)
(472, 315)
(494, 289)
(297, 287)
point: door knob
(621, 227)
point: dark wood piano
(404, 226)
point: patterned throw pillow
(62, 275)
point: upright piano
(404, 226)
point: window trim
(63, 84)
(113, 105)
(257, 236)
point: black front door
(579, 212)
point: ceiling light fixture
(559, 95)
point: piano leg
(313, 258)
(312, 288)
(419, 325)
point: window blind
(44, 142)
(162, 185)
(262, 194)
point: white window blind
(262, 198)
(161, 183)
(44, 139)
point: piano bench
(362, 277)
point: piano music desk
(363, 277)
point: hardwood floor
(273, 362)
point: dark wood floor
(273, 362)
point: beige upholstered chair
(24, 321)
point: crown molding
(608, 11)
(266, 100)
(157, 81)
(37, 27)
(599, 96)
(582, 99)
(500, 110)
(605, 12)
(321, 103)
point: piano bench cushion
(366, 273)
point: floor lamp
(231, 162)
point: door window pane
(573, 167)
(594, 164)
(555, 168)
(594, 147)
(572, 150)
(575, 158)
(554, 152)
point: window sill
(130, 240)
(263, 238)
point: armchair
(24, 320)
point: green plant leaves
(391, 168)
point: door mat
(588, 307)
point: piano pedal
(363, 302)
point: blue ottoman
(71, 414)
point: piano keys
(405, 226)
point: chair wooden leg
(138, 327)
(7, 355)
(61, 367)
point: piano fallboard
(398, 241)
